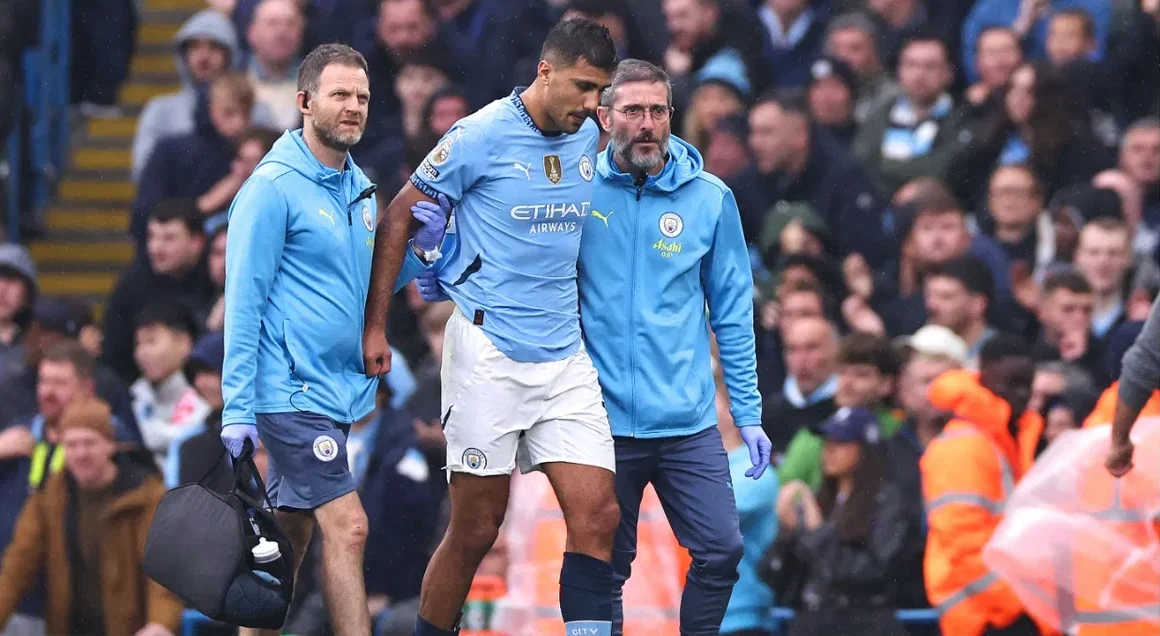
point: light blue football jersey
(521, 197)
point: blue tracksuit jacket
(298, 269)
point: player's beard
(626, 151)
(328, 133)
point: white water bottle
(265, 552)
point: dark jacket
(139, 287)
(489, 40)
(840, 191)
(184, 166)
(781, 420)
(402, 499)
(890, 174)
(46, 540)
(791, 66)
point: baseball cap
(63, 316)
(936, 340)
(856, 424)
(207, 354)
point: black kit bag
(199, 548)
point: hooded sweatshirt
(15, 259)
(173, 114)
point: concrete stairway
(87, 244)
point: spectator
(968, 472)
(206, 47)
(701, 31)
(958, 295)
(1104, 257)
(1066, 388)
(163, 400)
(792, 303)
(1071, 35)
(326, 21)
(1028, 19)
(748, 612)
(95, 583)
(1016, 218)
(174, 272)
(200, 165)
(720, 92)
(418, 79)
(921, 131)
(275, 38)
(848, 540)
(18, 289)
(1065, 318)
(215, 261)
(56, 322)
(728, 158)
(1070, 208)
(1134, 56)
(622, 22)
(1039, 125)
(1140, 160)
(896, 19)
(832, 93)
(104, 34)
(853, 38)
(867, 378)
(197, 454)
(442, 109)
(999, 54)
(1145, 240)
(797, 163)
(794, 32)
(807, 397)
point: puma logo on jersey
(527, 170)
(328, 216)
(602, 217)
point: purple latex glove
(433, 216)
(428, 285)
(234, 438)
(759, 449)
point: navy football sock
(586, 595)
(423, 628)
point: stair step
(136, 93)
(115, 192)
(102, 159)
(175, 5)
(114, 128)
(76, 283)
(158, 32)
(87, 220)
(60, 252)
(155, 64)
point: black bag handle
(246, 460)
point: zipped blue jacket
(298, 269)
(660, 262)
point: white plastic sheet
(1075, 541)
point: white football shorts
(497, 411)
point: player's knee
(597, 526)
(479, 535)
(723, 557)
(347, 526)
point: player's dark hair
(182, 210)
(633, 70)
(169, 314)
(578, 39)
(310, 72)
(1003, 345)
(972, 272)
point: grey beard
(636, 162)
(330, 139)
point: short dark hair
(633, 70)
(925, 36)
(74, 353)
(991, 28)
(596, 8)
(791, 101)
(972, 272)
(578, 39)
(869, 349)
(1068, 279)
(1003, 345)
(934, 197)
(182, 210)
(170, 314)
(323, 56)
(237, 86)
(1085, 19)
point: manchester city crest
(368, 218)
(671, 224)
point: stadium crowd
(916, 180)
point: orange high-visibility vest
(536, 540)
(1105, 409)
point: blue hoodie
(297, 273)
(659, 263)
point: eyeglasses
(635, 113)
